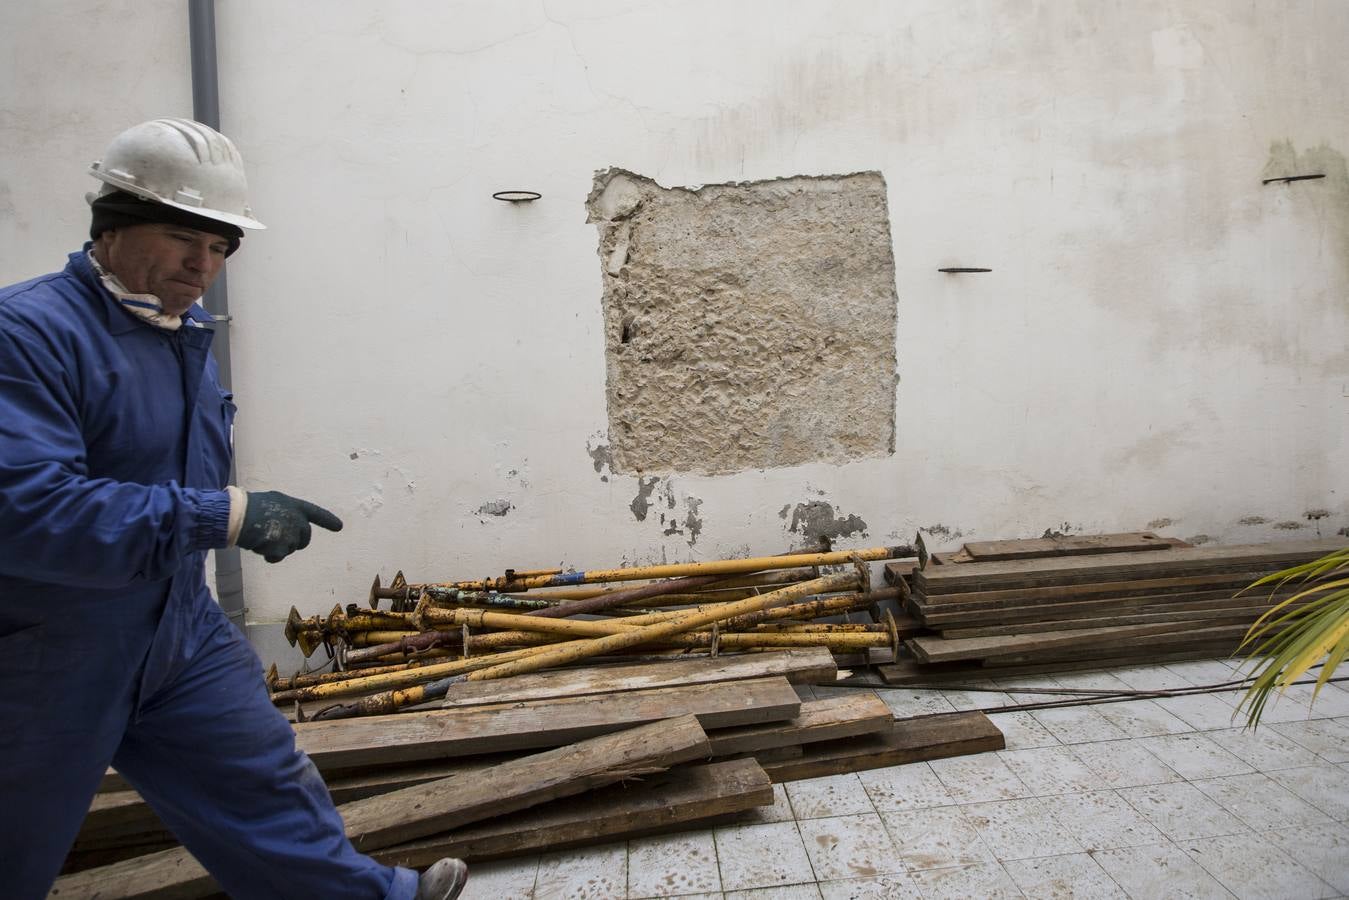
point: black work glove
(276, 525)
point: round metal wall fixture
(516, 196)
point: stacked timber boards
(552, 760)
(1064, 611)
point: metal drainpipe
(229, 578)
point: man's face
(174, 263)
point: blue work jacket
(115, 446)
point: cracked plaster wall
(1162, 337)
(746, 325)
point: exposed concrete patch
(495, 508)
(1160, 523)
(642, 502)
(1199, 539)
(1253, 520)
(815, 521)
(1314, 514)
(747, 325)
(1289, 525)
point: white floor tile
(1051, 770)
(831, 795)
(1103, 820)
(988, 881)
(1260, 802)
(912, 786)
(1322, 849)
(1203, 712)
(976, 699)
(1181, 811)
(1075, 876)
(507, 878)
(1280, 708)
(1017, 829)
(1262, 748)
(1142, 718)
(1329, 703)
(1151, 678)
(935, 838)
(1099, 680)
(1204, 672)
(1078, 725)
(1328, 738)
(758, 856)
(673, 865)
(808, 891)
(780, 811)
(593, 873)
(905, 703)
(1124, 764)
(1159, 871)
(1020, 731)
(885, 887)
(1324, 786)
(850, 847)
(971, 779)
(1194, 755)
(1254, 869)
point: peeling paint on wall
(1289, 525)
(1062, 530)
(602, 459)
(642, 502)
(1314, 514)
(943, 532)
(816, 521)
(747, 325)
(495, 508)
(1253, 520)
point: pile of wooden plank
(1043, 605)
(555, 759)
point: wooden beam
(681, 796)
(811, 665)
(1065, 545)
(407, 737)
(1179, 561)
(850, 715)
(911, 740)
(938, 649)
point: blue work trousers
(205, 748)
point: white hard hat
(180, 163)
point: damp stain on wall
(818, 521)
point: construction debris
(457, 719)
(1020, 607)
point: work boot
(443, 881)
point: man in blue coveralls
(115, 446)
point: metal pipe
(680, 570)
(229, 575)
(571, 651)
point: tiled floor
(1151, 798)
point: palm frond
(1300, 631)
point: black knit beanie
(120, 209)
